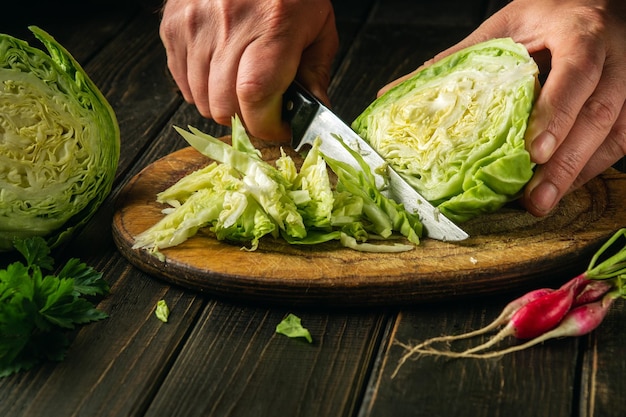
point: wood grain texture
(237, 365)
(507, 249)
(537, 382)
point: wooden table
(218, 357)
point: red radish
(582, 319)
(577, 322)
(501, 320)
(575, 309)
(505, 316)
(534, 318)
(592, 292)
(542, 314)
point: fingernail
(542, 148)
(544, 196)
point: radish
(592, 291)
(577, 322)
(505, 316)
(574, 309)
(502, 319)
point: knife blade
(309, 118)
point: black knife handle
(299, 109)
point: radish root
(575, 309)
(576, 323)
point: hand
(239, 56)
(578, 125)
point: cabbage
(241, 198)
(59, 142)
(455, 129)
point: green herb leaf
(36, 311)
(162, 311)
(291, 326)
(36, 252)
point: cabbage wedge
(59, 142)
(455, 129)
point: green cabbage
(241, 198)
(59, 142)
(455, 129)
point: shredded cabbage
(241, 198)
(455, 130)
(59, 142)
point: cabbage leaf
(455, 129)
(59, 142)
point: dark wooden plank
(236, 365)
(132, 73)
(350, 16)
(442, 14)
(603, 367)
(536, 382)
(80, 29)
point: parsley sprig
(38, 309)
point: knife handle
(299, 109)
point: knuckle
(600, 113)
(252, 91)
(562, 118)
(221, 118)
(219, 111)
(185, 21)
(565, 170)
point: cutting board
(508, 251)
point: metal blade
(310, 119)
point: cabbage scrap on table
(59, 142)
(455, 129)
(242, 198)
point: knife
(309, 119)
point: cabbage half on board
(455, 130)
(59, 142)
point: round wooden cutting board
(507, 251)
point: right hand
(239, 56)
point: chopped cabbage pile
(241, 198)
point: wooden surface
(218, 357)
(327, 274)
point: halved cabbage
(59, 142)
(455, 129)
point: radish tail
(421, 348)
(501, 335)
(499, 321)
(492, 354)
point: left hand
(578, 124)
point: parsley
(37, 310)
